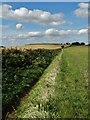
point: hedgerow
(20, 71)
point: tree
(82, 43)
(62, 46)
(75, 43)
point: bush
(20, 71)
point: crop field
(37, 46)
(61, 90)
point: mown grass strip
(70, 99)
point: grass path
(71, 90)
(33, 105)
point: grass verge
(70, 98)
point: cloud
(30, 34)
(52, 33)
(19, 26)
(83, 5)
(82, 11)
(83, 31)
(27, 15)
(49, 35)
(35, 34)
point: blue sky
(45, 0)
(43, 22)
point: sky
(45, 0)
(43, 22)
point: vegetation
(78, 43)
(62, 90)
(20, 71)
(37, 46)
(37, 98)
(70, 99)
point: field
(62, 89)
(37, 46)
(71, 94)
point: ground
(62, 90)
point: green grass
(71, 94)
(70, 97)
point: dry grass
(36, 46)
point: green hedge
(20, 71)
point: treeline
(20, 71)
(75, 43)
(78, 43)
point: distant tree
(2, 47)
(62, 46)
(67, 43)
(82, 43)
(75, 43)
